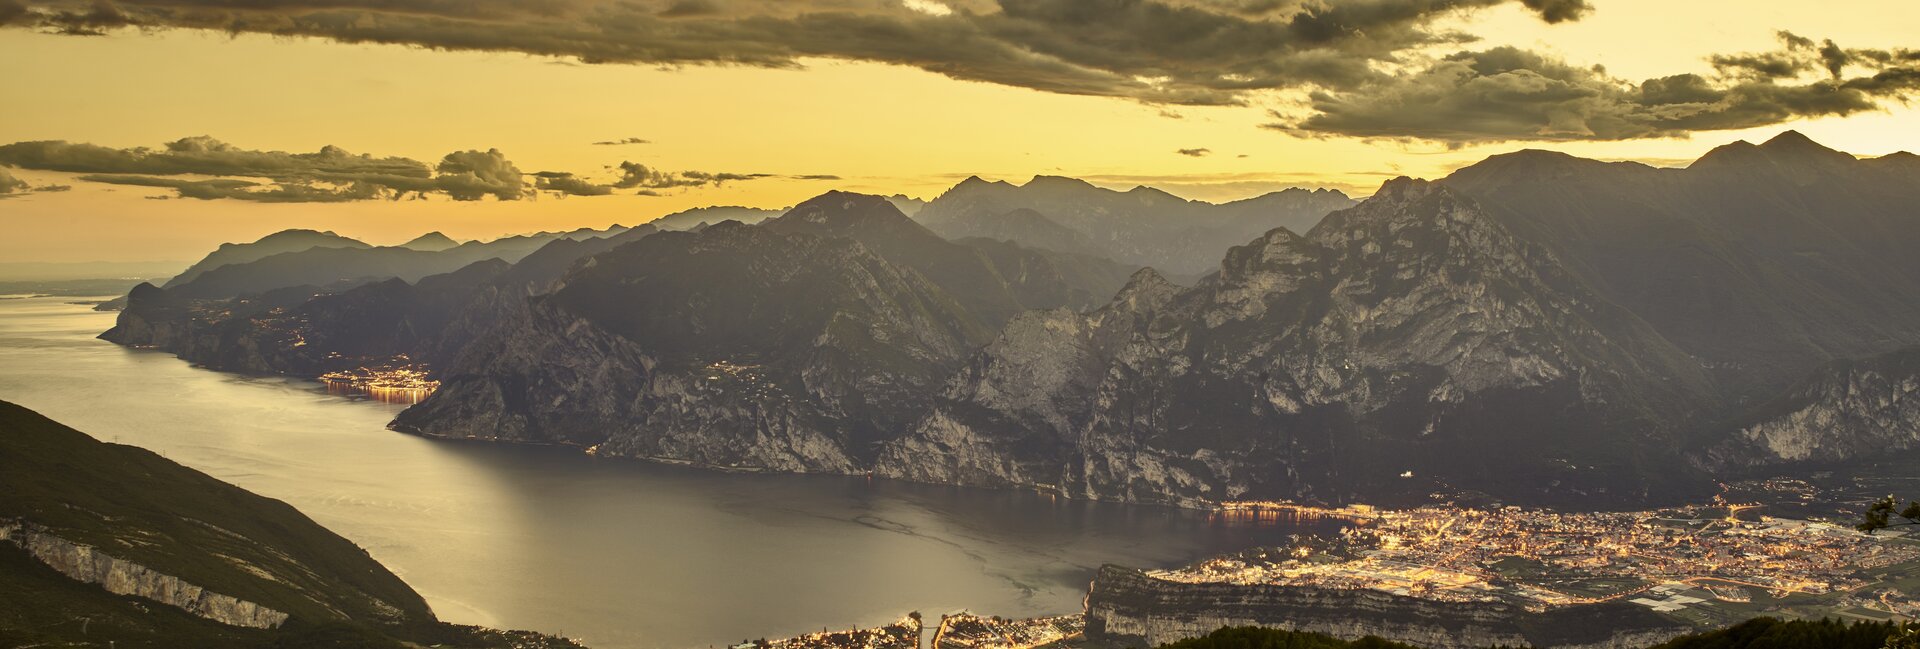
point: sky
(157, 129)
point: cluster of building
(1543, 559)
(968, 631)
(398, 381)
(750, 377)
(901, 634)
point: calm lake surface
(620, 554)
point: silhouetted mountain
(151, 553)
(1031, 279)
(430, 242)
(907, 205)
(1143, 226)
(1538, 326)
(273, 244)
(307, 331)
(688, 219)
(1410, 334)
(345, 267)
(1762, 261)
(734, 346)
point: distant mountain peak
(1789, 147)
(1790, 139)
(976, 182)
(1405, 188)
(1146, 290)
(841, 213)
(1059, 181)
(431, 242)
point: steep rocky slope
(733, 346)
(799, 344)
(1845, 411)
(1411, 335)
(1763, 261)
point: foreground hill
(152, 554)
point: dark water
(618, 553)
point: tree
(1880, 515)
(1904, 636)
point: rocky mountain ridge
(1500, 331)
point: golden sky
(879, 127)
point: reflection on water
(405, 396)
(399, 382)
(619, 553)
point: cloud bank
(1363, 67)
(204, 168)
(1504, 94)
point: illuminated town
(968, 631)
(1669, 560)
(401, 382)
(903, 633)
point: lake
(618, 553)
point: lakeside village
(1667, 560)
(399, 381)
(961, 630)
(1709, 566)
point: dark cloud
(634, 175)
(10, 184)
(1163, 51)
(690, 8)
(11, 11)
(202, 155)
(629, 140)
(1555, 11)
(1364, 66)
(470, 175)
(564, 183)
(1506, 93)
(91, 19)
(246, 190)
(329, 175)
(1194, 153)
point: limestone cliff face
(734, 347)
(1129, 608)
(1410, 334)
(550, 376)
(120, 577)
(1844, 411)
(1402, 345)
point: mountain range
(1535, 327)
(1143, 226)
